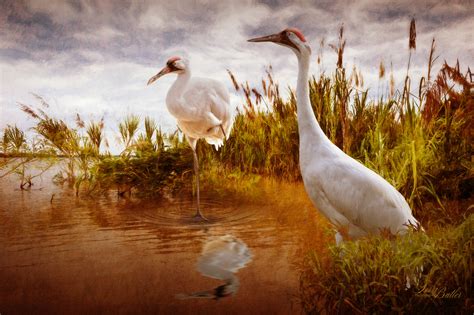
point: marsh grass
(14, 141)
(264, 138)
(369, 276)
(149, 163)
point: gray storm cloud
(94, 57)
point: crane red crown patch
(297, 32)
(173, 59)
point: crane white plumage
(201, 107)
(349, 194)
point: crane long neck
(308, 126)
(178, 87)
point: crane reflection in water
(221, 258)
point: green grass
(150, 162)
(369, 276)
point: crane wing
(204, 96)
(203, 111)
(363, 197)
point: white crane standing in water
(201, 107)
(349, 194)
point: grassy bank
(370, 276)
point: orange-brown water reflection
(110, 255)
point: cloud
(94, 57)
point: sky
(95, 57)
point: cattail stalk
(412, 41)
(431, 60)
(392, 81)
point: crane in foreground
(201, 107)
(353, 197)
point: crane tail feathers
(217, 143)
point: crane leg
(198, 214)
(222, 128)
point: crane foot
(199, 217)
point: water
(125, 255)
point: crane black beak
(163, 71)
(279, 38)
(275, 38)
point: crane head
(290, 37)
(173, 65)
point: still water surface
(129, 256)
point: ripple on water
(170, 226)
(163, 225)
(179, 215)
